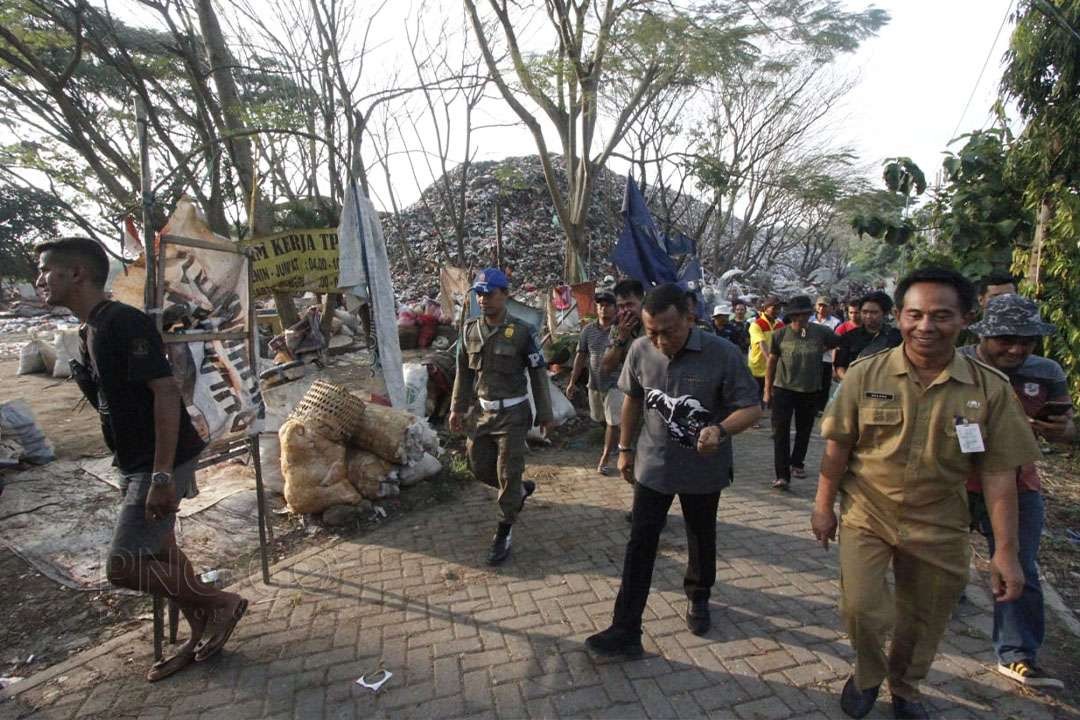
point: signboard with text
(295, 261)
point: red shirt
(845, 326)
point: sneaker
(857, 703)
(1030, 674)
(781, 484)
(500, 545)
(529, 487)
(615, 642)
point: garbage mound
(533, 241)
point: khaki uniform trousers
(496, 453)
(930, 575)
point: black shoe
(857, 703)
(500, 545)
(629, 517)
(698, 618)
(615, 642)
(530, 487)
(908, 709)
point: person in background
(1010, 327)
(761, 330)
(873, 335)
(494, 355)
(854, 318)
(124, 374)
(993, 285)
(627, 326)
(793, 385)
(732, 331)
(823, 316)
(904, 432)
(693, 301)
(739, 317)
(694, 392)
(605, 398)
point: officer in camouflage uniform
(494, 352)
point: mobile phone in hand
(1053, 408)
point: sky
(914, 82)
(916, 76)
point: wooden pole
(146, 183)
(498, 234)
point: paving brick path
(463, 640)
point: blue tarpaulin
(638, 252)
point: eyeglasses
(1023, 340)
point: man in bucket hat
(1010, 328)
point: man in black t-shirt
(872, 336)
(124, 374)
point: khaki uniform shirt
(906, 473)
(492, 361)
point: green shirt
(798, 353)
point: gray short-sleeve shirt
(703, 384)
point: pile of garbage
(533, 241)
(336, 448)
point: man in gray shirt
(605, 399)
(696, 392)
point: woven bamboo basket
(330, 410)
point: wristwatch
(724, 434)
(624, 448)
(161, 478)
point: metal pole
(150, 289)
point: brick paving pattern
(464, 640)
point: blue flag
(679, 244)
(638, 252)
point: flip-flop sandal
(780, 484)
(169, 666)
(604, 469)
(212, 646)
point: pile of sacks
(337, 449)
(50, 352)
(21, 440)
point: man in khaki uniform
(906, 429)
(494, 353)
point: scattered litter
(380, 511)
(374, 685)
(8, 681)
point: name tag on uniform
(970, 437)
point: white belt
(496, 405)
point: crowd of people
(932, 425)
(925, 438)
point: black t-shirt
(860, 342)
(123, 352)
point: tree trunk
(260, 212)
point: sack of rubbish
(315, 470)
(416, 379)
(426, 467)
(561, 408)
(394, 435)
(66, 347)
(30, 361)
(17, 423)
(270, 458)
(373, 477)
